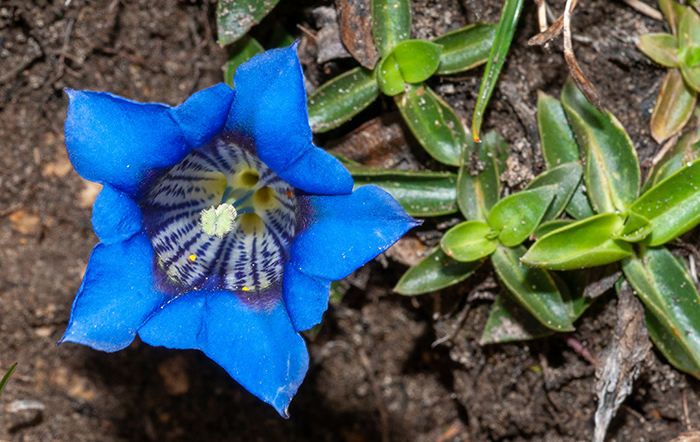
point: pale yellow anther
(219, 220)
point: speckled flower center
(187, 215)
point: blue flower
(221, 225)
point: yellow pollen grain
(193, 257)
(288, 193)
(245, 289)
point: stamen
(218, 221)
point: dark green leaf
(468, 241)
(434, 124)
(508, 321)
(235, 17)
(240, 52)
(558, 142)
(661, 48)
(389, 76)
(612, 170)
(501, 44)
(391, 24)
(586, 243)
(341, 98)
(417, 59)
(566, 179)
(465, 48)
(478, 182)
(534, 289)
(672, 206)
(436, 271)
(674, 107)
(672, 305)
(6, 377)
(517, 216)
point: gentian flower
(221, 225)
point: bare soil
(374, 375)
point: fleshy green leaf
(691, 75)
(504, 36)
(420, 193)
(566, 179)
(672, 12)
(389, 76)
(517, 216)
(391, 24)
(434, 124)
(612, 170)
(6, 377)
(469, 241)
(341, 98)
(465, 48)
(235, 17)
(672, 206)
(689, 33)
(478, 191)
(672, 306)
(558, 142)
(534, 289)
(661, 48)
(684, 151)
(636, 228)
(417, 59)
(674, 107)
(434, 272)
(240, 52)
(550, 226)
(508, 321)
(586, 243)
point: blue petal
(115, 141)
(347, 231)
(258, 348)
(270, 107)
(116, 295)
(306, 297)
(115, 216)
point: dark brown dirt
(374, 375)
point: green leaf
(235, 17)
(672, 12)
(674, 107)
(550, 226)
(586, 243)
(517, 215)
(684, 151)
(611, 168)
(691, 75)
(420, 193)
(636, 228)
(417, 59)
(672, 305)
(558, 142)
(465, 48)
(434, 124)
(469, 241)
(508, 321)
(501, 44)
(391, 24)
(478, 191)
(6, 378)
(566, 179)
(238, 53)
(389, 76)
(434, 272)
(672, 206)
(662, 48)
(534, 289)
(689, 34)
(341, 98)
